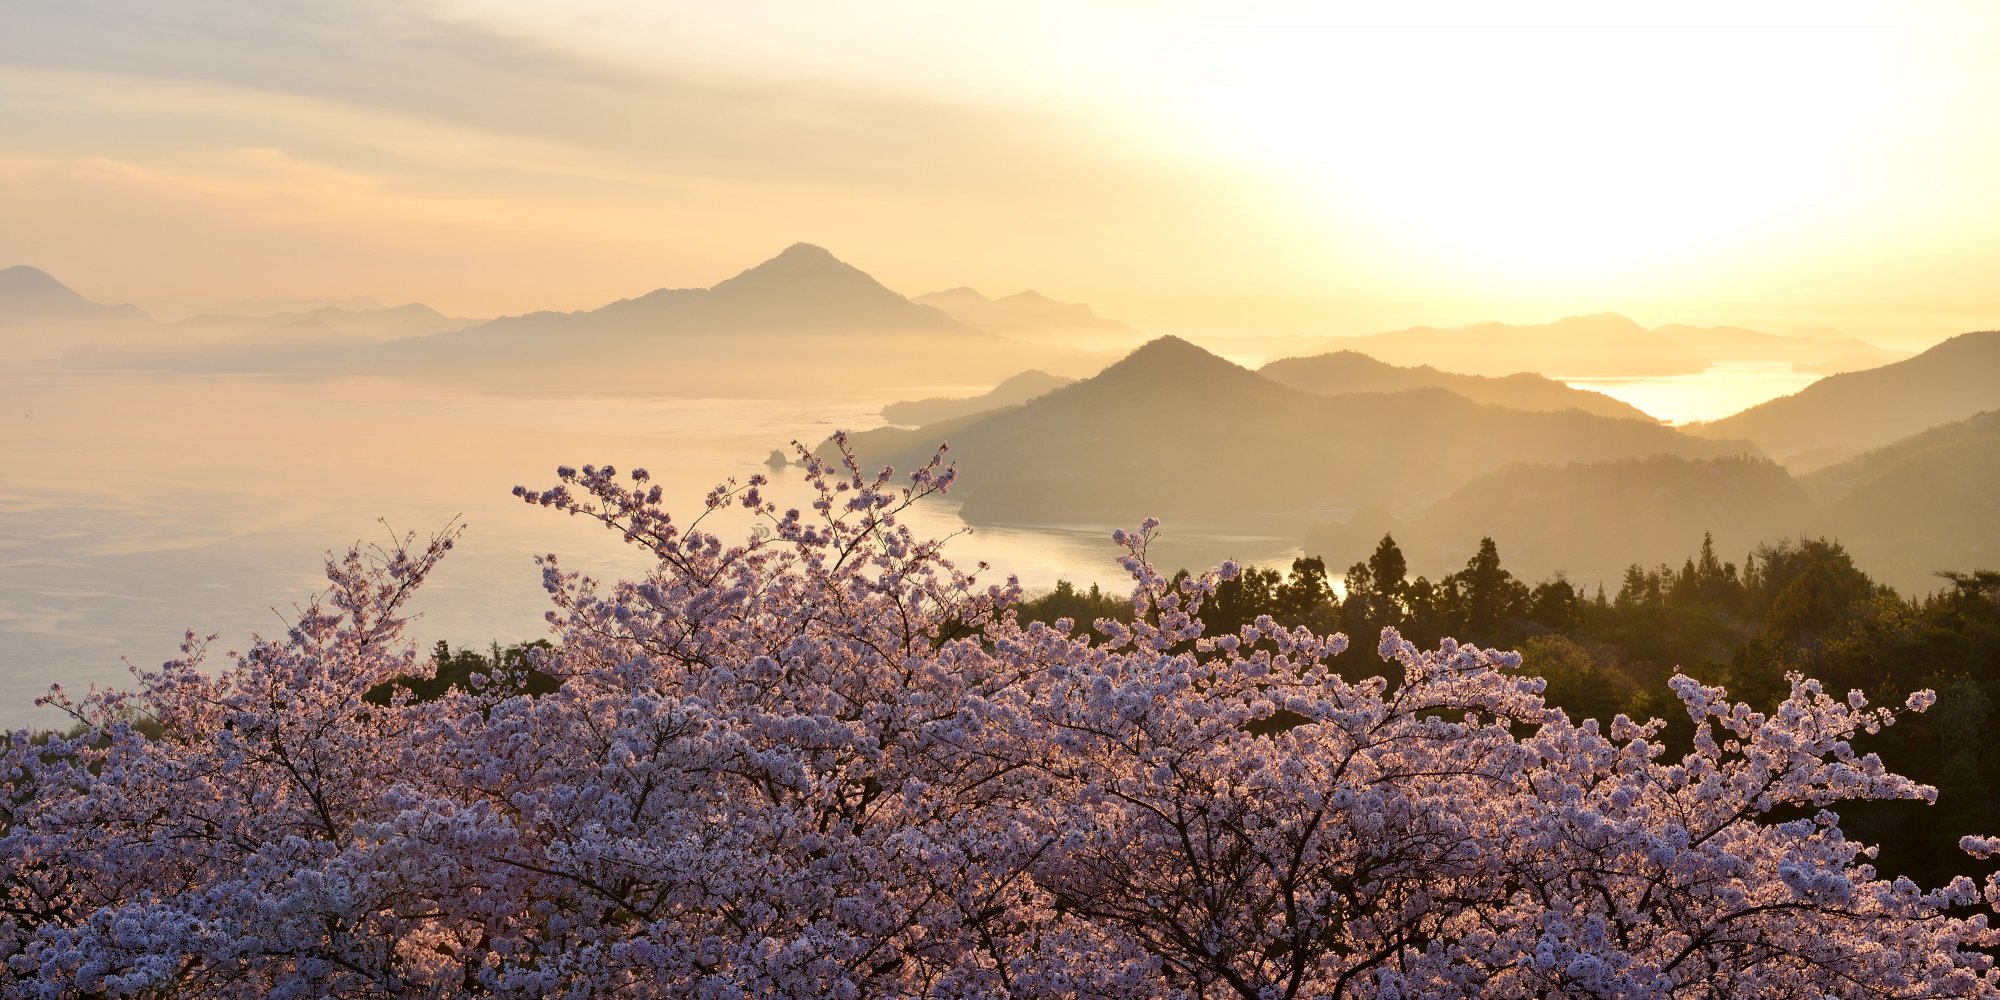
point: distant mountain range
(29, 293)
(41, 317)
(1014, 391)
(1563, 480)
(1843, 415)
(294, 346)
(1350, 371)
(1923, 504)
(1900, 461)
(1175, 431)
(802, 321)
(1605, 345)
(1822, 355)
(1035, 318)
(376, 323)
(272, 307)
(803, 291)
(1587, 519)
(327, 337)
(830, 324)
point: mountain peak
(805, 271)
(1171, 359)
(961, 294)
(32, 291)
(23, 272)
(802, 289)
(807, 251)
(1599, 321)
(1168, 346)
(22, 278)
(800, 258)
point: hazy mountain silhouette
(1012, 392)
(1349, 371)
(327, 337)
(1608, 345)
(802, 292)
(1824, 355)
(1589, 520)
(272, 307)
(412, 319)
(293, 346)
(31, 292)
(1855, 361)
(1906, 511)
(41, 317)
(1177, 432)
(805, 283)
(801, 321)
(1604, 345)
(1925, 503)
(1033, 317)
(1843, 415)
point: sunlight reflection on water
(1718, 392)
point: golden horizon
(1262, 171)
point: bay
(135, 507)
(1720, 390)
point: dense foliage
(825, 762)
(1799, 605)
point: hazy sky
(1240, 167)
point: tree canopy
(825, 761)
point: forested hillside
(1789, 605)
(1844, 415)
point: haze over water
(1288, 175)
(146, 505)
(1723, 389)
(138, 506)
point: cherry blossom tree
(825, 761)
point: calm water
(1718, 392)
(135, 507)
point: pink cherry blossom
(827, 762)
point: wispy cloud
(407, 61)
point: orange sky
(1195, 169)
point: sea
(138, 507)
